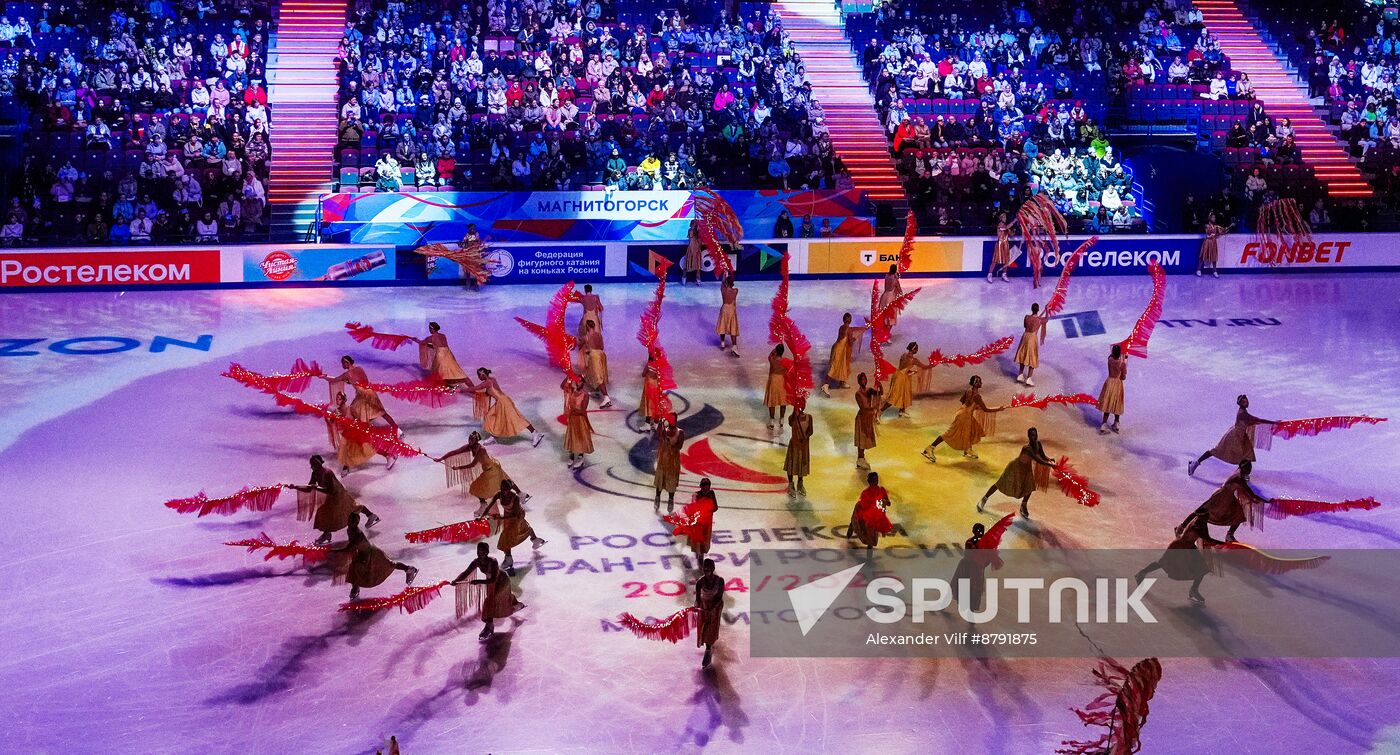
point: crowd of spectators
(555, 95)
(147, 121)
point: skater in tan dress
(838, 369)
(595, 363)
(506, 508)
(650, 407)
(727, 326)
(868, 403)
(363, 565)
(1028, 351)
(1237, 444)
(499, 600)
(694, 262)
(483, 471)
(798, 461)
(366, 407)
(1210, 247)
(973, 422)
(435, 356)
(775, 391)
(1224, 507)
(1001, 254)
(501, 419)
(893, 290)
(709, 603)
(1027, 473)
(578, 433)
(350, 454)
(592, 312)
(667, 477)
(335, 504)
(901, 395)
(1111, 394)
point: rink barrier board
(293, 265)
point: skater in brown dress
(1210, 247)
(1027, 473)
(1237, 444)
(595, 363)
(592, 312)
(1184, 559)
(361, 564)
(435, 356)
(868, 403)
(650, 407)
(727, 326)
(709, 605)
(694, 261)
(901, 395)
(1001, 253)
(973, 422)
(336, 504)
(1224, 507)
(798, 461)
(506, 507)
(366, 407)
(578, 433)
(667, 477)
(484, 472)
(502, 419)
(838, 368)
(775, 390)
(1111, 394)
(350, 454)
(499, 600)
(1028, 352)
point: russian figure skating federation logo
(501, 262)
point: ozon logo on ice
(278, 265)
(1302, 253)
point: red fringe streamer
(1314, 425)
(1029, 401)
(461, 532)
(672, 629)
(350, 428)
(1057, 299)
(1136, 342)
(936, 359)
(691, 522)
(538, 331)
(556, 339)
(991, 539)
(1281, 226)
(649, 335)
(431, 392)
(783, 329)
(252, 498)
(1122, 708)
(1041, 224)
(1282, 508)
(309, 554)
(718, 225)
(1258, 561)
(296, 381)
(408, 601)
(906, 249)
(381, 341)
(1073, 484)
(879, 330)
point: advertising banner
(761, 259)
(1324, 251)
(534, 264)
(871, 256)
(108, 267)
(1114, 255)
(318, 263)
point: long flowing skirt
(595, 370)
(514, 531)
(798, 461)
(1210, 252)
(865, 429)
(445, 365)
(1023, 477)
(707, 630)
(488, 480)
(775, 393)
(370, 568)
(901, 395)
(1028, 353)
(1111, 396)
(969, 426)
(503, 420)
(667, 476)
(728, 323)
(1236, 445)
(578, 435)
(366, 406)
(839, 368)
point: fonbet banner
(1322, 252)
(944, 602)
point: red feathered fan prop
(1057, 299)
(470, 255)
(906, 249)
(538, 331)
(410, 600)
(309, 554)
(1073, 484)
(879, 329)
(1258, 561)
(381, 341)
(1136, 342)
(1122, 708)
(783, 329)
(1282, 508)
(991, 539)
(1041, 225)
(1281, 228)
(1029, 401)
(1265, 434)
(691, 522)
(556, 337)
(936, 359)
(295, 381)
(252, 498)
(461, 532)
(719, 226)
(672, 629)
(649, 336)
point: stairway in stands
(302, 88)
(1283, 97)
(818, 33)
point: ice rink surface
(131, 628)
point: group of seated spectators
(148, 122)
(548, 94)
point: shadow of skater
(716, 704)
(495, 652)
(297, 655)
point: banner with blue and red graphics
(413, 218)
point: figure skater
(1028, 351)
(1210, 247)
(1225, 508)
(578, 433)
(1185, 558)
(366, 407)
(868, 403)
(1237, 444)
(499, 600)
(595, 363)
(363, 565)
(727, 326)
(973, 422)
(775, 393)
(592, 312)
(893, 290)
(485, 472)
(1111, 394)
(1027, 473)
(901, 395)
(435, 356)
(798, 461)
(502, 419)
(838, 369)
(709, 605)
(333, 515)
(667, 477)
(1001, 254)
(514, 528)
(868, 520)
